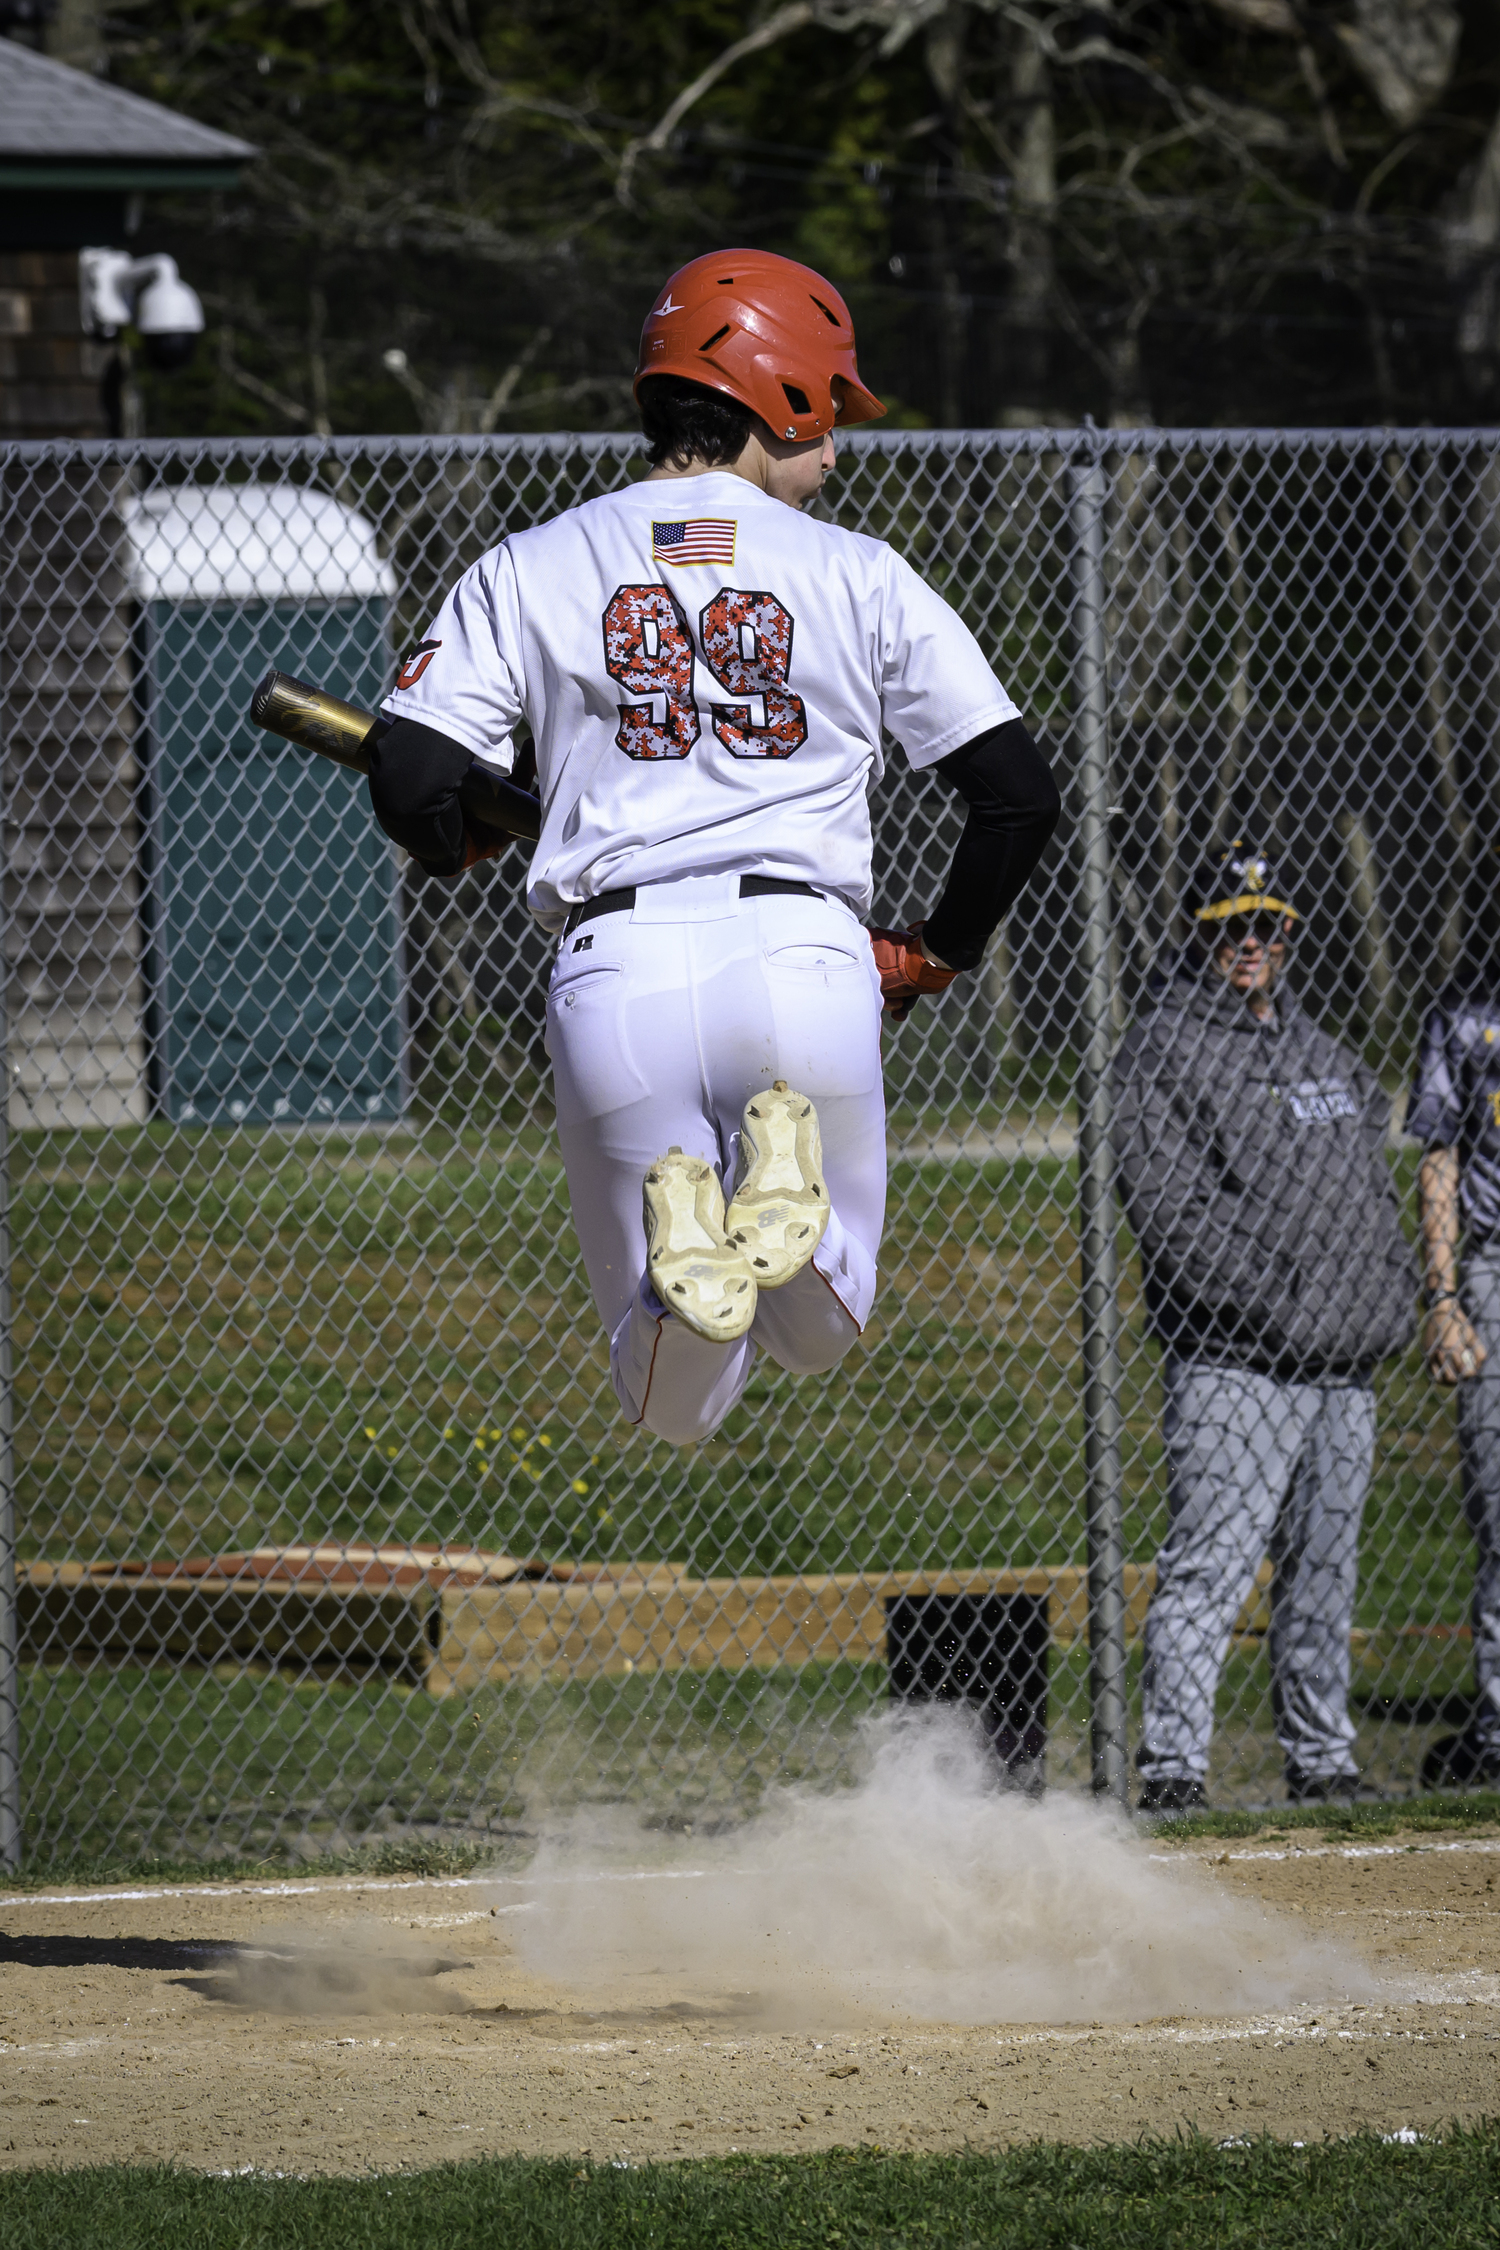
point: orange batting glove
(482, 842)
(905, 971)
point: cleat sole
(698, 1274)
(779, 1211)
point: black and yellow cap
(1237, 880)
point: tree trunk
(1033, 208)
(945, 67)
(1237, 713)
(1372, 944)
(1414, 526)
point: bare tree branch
(501, 396)
(268, 396)
(786, 20)
(500, 98)
(1307, 63)
(1405, 51)
(1260, 15)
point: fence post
(10, 1623)
(1097, 1222)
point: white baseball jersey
(706, 672)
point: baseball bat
(339, 731)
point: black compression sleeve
(1013, 808)
(414, 778)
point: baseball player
(706, 672)
(1455, 1112)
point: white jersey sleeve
(936, 690)
(466, 676)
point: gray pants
(1479, 1452)
(1254, 1467)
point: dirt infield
(343, 2026)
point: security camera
(169, 316)
(115, 288)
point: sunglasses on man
(1241, 929)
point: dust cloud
(354, 1971)
(923, 1892)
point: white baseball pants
(662, 1021)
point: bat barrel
(317, 722)
(338, 730)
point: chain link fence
(326, 1523)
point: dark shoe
(1320, 1788)
(1459, 1762)
(1174, 1793)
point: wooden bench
(662, 1620)
(453, 1620)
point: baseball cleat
(1462, 1761)
(1320, 1788)
(779, 1208)
(1171, 1794)
(695, 1270)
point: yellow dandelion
(391, 1451)
(369, 1433)
(579, 1485)
(605, 1516)
(544, 1440)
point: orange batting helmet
(766, 331)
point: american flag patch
(702, 539)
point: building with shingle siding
(77, 159)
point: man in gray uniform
(1251, 1151)
(1455, 1111)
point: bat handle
(500, 803)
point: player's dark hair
(686, 422)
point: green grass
(1354, 1823)
(391, 1337)
(1359, 2194)
(126, 1765)
(397, 1857)
(121, 1761)
(440, 1856)
(226, 1339)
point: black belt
(620, 902)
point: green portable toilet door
(275, 928)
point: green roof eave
(131, 177)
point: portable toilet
(274, 936)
